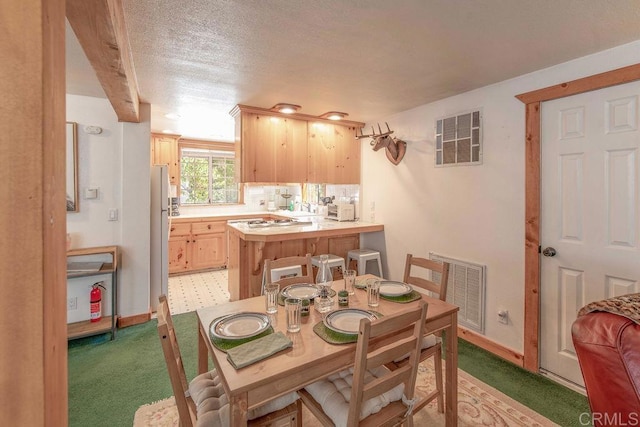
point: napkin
(256, 350)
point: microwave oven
(341, 212)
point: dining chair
(415, 272)
(292, 261)
(369, 394)
(203, 402)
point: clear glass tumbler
(350, 281)
(373, 293)
(292, 308)
(271, 291)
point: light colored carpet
(478, 404)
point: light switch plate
(113, 214)
(91, 193)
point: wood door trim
(533, 102)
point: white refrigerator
(160, 223)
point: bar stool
(362, 256)
(334, 262)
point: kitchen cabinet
(285, 148)
(209, 244)
(82, 263)
(334, 154)
(179, 239)
(164, 148)
(271, 149)
(197, 245)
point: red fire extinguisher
(96, 301)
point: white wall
(117, 162)
(473, 213)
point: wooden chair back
(369, 357)
(292, 261)
(438, 288)
(380, 342)
(186, 405)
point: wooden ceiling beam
(100, 28)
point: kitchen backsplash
(269, 197)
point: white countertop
(318, 227)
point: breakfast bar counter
(249, 247)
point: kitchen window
(207, 174)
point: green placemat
(224, 345)
(412, 296)
(333, 337)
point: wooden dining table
(311, 358)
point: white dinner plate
(301, 291)
(389, 288)
(347, 321)
(240, 325)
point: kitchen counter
(249, 247)
(321, 228)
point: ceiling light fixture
(285, 108)
(172, 116)
(334, 115)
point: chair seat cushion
(334, 394)
(212, 403)
(427, 341)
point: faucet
(305, 207)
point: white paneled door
(589, 216)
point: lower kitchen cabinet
(197, 245)
(208, 245)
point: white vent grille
(466, 290)
(459, 139)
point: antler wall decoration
(393, 147)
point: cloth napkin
(256, 350)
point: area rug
(478, 404)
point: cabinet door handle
(209, 226)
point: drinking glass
(292, 308)
(271, 297)
(373, 293)
(350, 281)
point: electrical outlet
(72, 303)
(503, 316)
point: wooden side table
(107, 323)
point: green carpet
(109, 380)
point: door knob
(549, 251)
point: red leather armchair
(608, 349)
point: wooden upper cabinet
(281, 148)
(272, 149)
(334, 154)
(164, 148)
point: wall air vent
(466, 289)
(459, 139)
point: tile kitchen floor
(189, 292)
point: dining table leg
(238, 412)
(203, 351)
(451, 372)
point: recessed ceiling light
(285, 108)
(334, 115)
(172, 116)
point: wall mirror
(72, 167)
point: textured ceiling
(369, 58)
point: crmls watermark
(615, 419)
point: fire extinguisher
(96, 301)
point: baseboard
(123, 322)
(491, 346)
